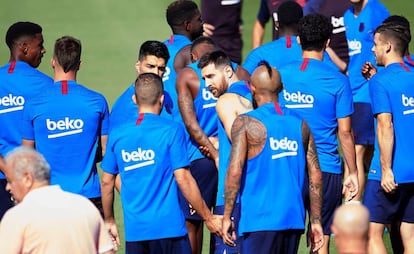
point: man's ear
(137, 66)
(228, 71)
(161, 99)
(27, 180)
(298, 39)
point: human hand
(350, 187)
(208, 29)
(388, 181)
(113, 233)
(368, 70)
(315, 237)
(228, 232)
(214, 224)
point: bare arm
(258, 33)
(315, 188)
(228, 107)
(346, 138)
(182, 59)
(242, 73)
(189, 188)
(385, 134)
(234, 173)
(107, 191)
(187, 85)
(342, 66)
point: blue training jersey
(205, 109)
(320, 95)
(174, 44)
(278, 53)
(146, 154)
(392, 91)
(242, 89)
(276, 174)
(359, 31)
(125, 110)
(19, 84)
(65, 122)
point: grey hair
(25, 159)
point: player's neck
(358, 7)
(313, 54)
(142, 109)
(393, 59)
(61, 75)
(233, 79)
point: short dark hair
(154, 48)
(398, 19)
(218, 58)
(267, 66)
(289, 13)
(397, 33)
(148, 89)
(180, 11)
(314, 31)
(20, 29)
(67, 53)
(202, 40)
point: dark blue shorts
(332, 198)
(98, 204)
(217, 246)
(276, 242)
(5, 198)
(177, 245)
(362, 122)
(386, 208)
(205, 173)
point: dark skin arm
(182, 59)
(187, 85)
(242, 73)
(248, 136)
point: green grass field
(111, 33)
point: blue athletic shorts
(362, 122)
(5, 198)
(332, 198)
(217, 246)
(177, 245)
(386, 208)
(275, 242)
(205, 173)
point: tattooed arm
(249, 138)
(315, 188)
(188, 84)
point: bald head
(352, 219)
(266, 81)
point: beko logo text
(338, 24)
(407, 102)
(208, 97)
(354, 46)
(288, 147)
(66, 127)
(302, 100)
(14, 103)
(144, 157)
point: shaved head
(266, 79)
(352, 219)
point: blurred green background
(111, 33)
